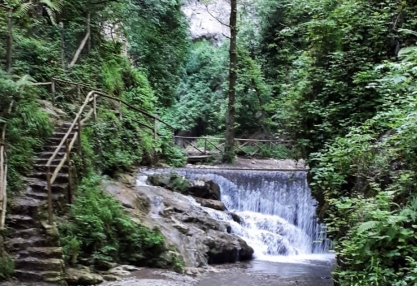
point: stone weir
(276, 207)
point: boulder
(103, 265)
(217, 205)
(122, 270)
(236, 217)
(205, 190)
(226, 248)
(82, 276)
(172, 181)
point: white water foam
(277, 211)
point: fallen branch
(80, 48)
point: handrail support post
(49, 187)
(70, 183)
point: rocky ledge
(186, 224)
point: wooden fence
(211, 146)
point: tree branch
(208, 11)
(80, 48)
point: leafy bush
(98, 228)
(368, 180)
(6, 266)
(27, 126)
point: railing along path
(51, 171)
(217, 144)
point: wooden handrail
(91, 97)
(50, 178)
(236, 139)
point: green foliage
(100, 229)
(6, 266)
(326, 52)
(27, 126)
(201, 95)
(368, 179)
(6, 262)
(157, 35)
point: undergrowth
(99, 229)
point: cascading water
(277, 209)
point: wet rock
(186, 227)
(217, 205)
(110, 277)
(205, 190)
(122, 270)
(227, 248)
(102, 265)
(82, 276)
(173, 182)
(236, 217)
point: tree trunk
(2, 179)
(9, 41)
(89, 32)
(62, 40)
(229, 148)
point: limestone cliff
(206, 19)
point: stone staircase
(32, 241)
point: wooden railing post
(80, 148)
(95, 107)
(49, 187)
(53, 92)
(205, 145)
(70, 183)
(120, 111)
(155, 129)
(78, 91)
(2, 184)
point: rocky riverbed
(255, 273)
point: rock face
(206, 19)
(188, 226)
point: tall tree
(229, 147)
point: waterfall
(277, 209)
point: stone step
(42, 252)
(61, 134)
(48, 155)
(56, 140)
(44, 161)
(62, 178)
(64, 128)
(35, 264)
(42, 168)
(44, 195)
(19, 243)
(53, 147)
(40, 187)
(41, 276)
(27, 233)
(27, 206)
(20, 221)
